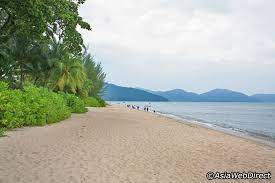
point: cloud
(180, 42)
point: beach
(118, 144)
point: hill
(216, 95)
(264, 97)
(179, 95)
(224, 95)
(118, 93)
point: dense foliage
(94, 102)
(46, 71)
(101, 102)
(40, 43)
(75, 103)
(37, 106)
(31, 106)
(42, 20)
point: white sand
(116, 144)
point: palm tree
(18, 55)
(44, 58)
(68, 75)
(23, 60)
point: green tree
(43, 20)
(6, 63)
(68, 75)
(43, 61)
(23, 60)
(95, 74)
(28, 28)
(19, 54)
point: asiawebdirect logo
(238, 175)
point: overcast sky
(196, 45)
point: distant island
(114, 92)
(118, 93)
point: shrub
(31, 106)
(101, 102)
(75, 103)
(50, 105)
(94, 102)
(3, 86)
(2, 132)
(34, 106)
(91, 102)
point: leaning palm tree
(68, 75)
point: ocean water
(256, 119)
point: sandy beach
(117, 144)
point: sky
(195, 45)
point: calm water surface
(256, 119)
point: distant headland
(114, 92)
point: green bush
(52, 105)
(3, 86)
(91, 102)
(101, 102)
(30, 107)
(2, 132)
(75, 103)
(35, 106)
(94, 102)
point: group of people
(145, 108)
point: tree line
(40, 44)
(46, 72)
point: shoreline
(117, 144)
(259, 138)
(246, 135)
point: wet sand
(117, 144)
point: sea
(253, 119)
